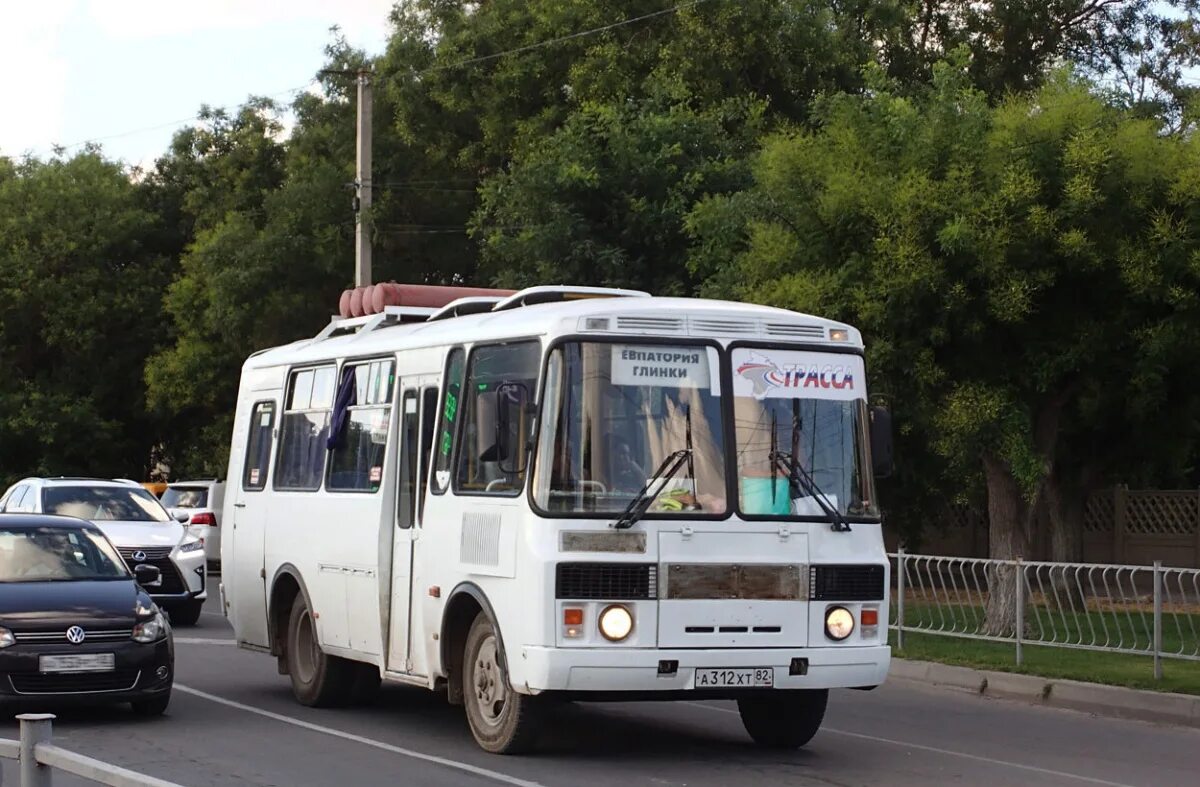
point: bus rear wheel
(318, 680)
(502, 721)
(784, 719)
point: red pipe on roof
(374, 297)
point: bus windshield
(803, 412)
(613, 412)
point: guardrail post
(1020, 608)
(900, 599)
(35, 729)
(1158, 672)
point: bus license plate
(741, 678)
(78, 662)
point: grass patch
(1116, 669)
(1131, 628)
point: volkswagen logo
(139, 556)
(76, 635)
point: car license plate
(78, 662)
(740, 678)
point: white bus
(566, 493)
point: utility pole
(362, 183)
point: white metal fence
(1142, 610)
(38, 756)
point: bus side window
(362, 414)
(443, 447)
(406, 506)
(429, 402)
(258, 447)
(304, 429)
(489, 462)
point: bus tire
(784, 719)
(318, 680)
(502, 721)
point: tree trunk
(1008, 538)
(1066, 503)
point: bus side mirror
(881, 441)
(512, 408)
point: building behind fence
(1120, 526)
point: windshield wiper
(799, 481)
(641, 502)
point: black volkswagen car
(75, 624)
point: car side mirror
(182, 517)
(881, 441)
(512, 407)
(147, 576)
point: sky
(78, 70)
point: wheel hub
(490, 692)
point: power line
(189, 119)
(559, 39)
(469, 61)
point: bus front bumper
(648, 671)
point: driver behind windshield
(47, 556)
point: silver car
(137, 525)
(198, 505)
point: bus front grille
(608, 581)
(846, 583)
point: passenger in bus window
(628, 474)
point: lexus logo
(76, 635)
(139, 556)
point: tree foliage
(1019, 269)
(80, 310)
(1001, 195)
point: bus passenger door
(415, 426)
(246, 522)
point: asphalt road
(232, 722)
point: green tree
(80, 310)
(213, 188)
(603, 200)
(1001, 261)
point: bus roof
(638, 317)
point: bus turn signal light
(869, 617)
(573, 617)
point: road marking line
(307, 725)
(935, 750)
(204, 641)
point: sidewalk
(1115, 701)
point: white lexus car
(137, 525)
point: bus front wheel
(784, 719)
(318, 679)
(502, 721)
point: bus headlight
(839, 623)
(616, 623)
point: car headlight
(150, 630)
(839, 623)
(616, 623)
(194, 545)
(6, 638)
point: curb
(1112, 701)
